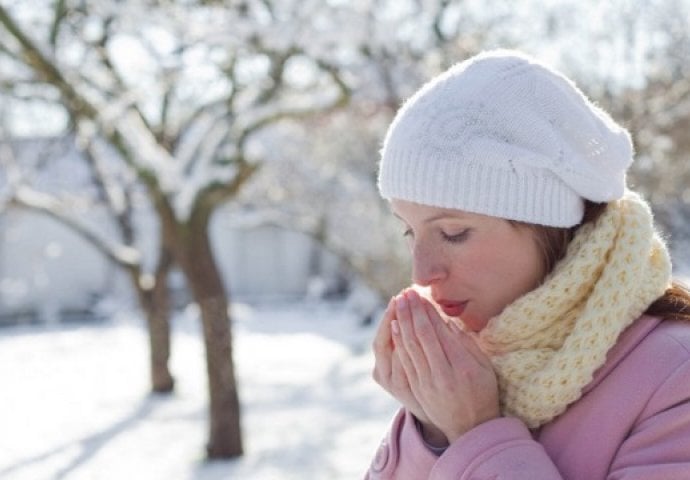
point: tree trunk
(159, 340)
(208, 291)
(155, 302)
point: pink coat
(631, 423)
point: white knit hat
(503, 135)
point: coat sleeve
(658, 447)
(499, 449)
(502, 448)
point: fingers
(405, 342)
(455, 342)
(389, 371)
(414, 343)
(461, 346)
(399, 382)
(419, 336)
(471, 346)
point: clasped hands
(434, 369)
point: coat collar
(627, 341)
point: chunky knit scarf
(546, 346)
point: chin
(473, 324)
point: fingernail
(401, 301)
(395, 328)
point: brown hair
(553, 242)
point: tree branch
(116, 196)
(217, 193)
(279, 60)
(33, 57)
(59, 15)
(30, 199)
(438, 20)
(79, 107)
(341, 98)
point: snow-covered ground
(74, 401)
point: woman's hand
(448, 375)
(388, 371)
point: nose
(428, 265)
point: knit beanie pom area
(503, 135)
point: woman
(544, 338)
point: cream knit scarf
(546, 346)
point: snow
(75, 401)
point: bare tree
(179, 91)
(116, 196)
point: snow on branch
(143, 151)
(204, 160)
(31, 199)
(291, 109)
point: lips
(452, 309)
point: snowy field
(74, 400)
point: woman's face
(473, 264)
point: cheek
(477, 273)
(522, 268)
(503, 272)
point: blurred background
(193, 254)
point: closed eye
(457, 237)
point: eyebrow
(444, 216)
(440, 216)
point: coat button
(381, 458)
